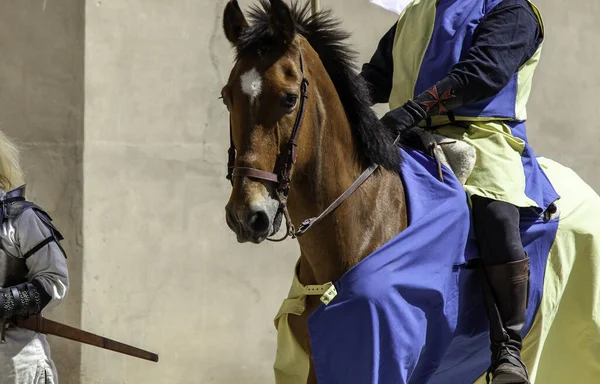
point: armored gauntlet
(21, 301)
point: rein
(283, 169)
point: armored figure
(33, 276)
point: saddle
(457, 155)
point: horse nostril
(258, 222)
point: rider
(463, 69)
(33, 276)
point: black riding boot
(506, 296)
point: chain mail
(9, 304)
(27, 305)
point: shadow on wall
(41, 109)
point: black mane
(322, 31)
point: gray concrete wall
(41, 108)
(160, 269)
(564, 91)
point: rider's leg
(506, 268)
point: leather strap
(306, 224)
(293, 143)
(12, 200)
(231, 155)
(255, 173)
(41, 245)
(16, 299)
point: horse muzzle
(253, 222)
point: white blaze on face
(251, 83)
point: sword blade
(42, 325)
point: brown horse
(340, 138)
(303, 144)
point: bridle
(283, 169)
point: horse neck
(366, 220)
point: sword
(39, 324)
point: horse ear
(234, 21)
(281, 21)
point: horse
(386, 288)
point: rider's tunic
(430, 38)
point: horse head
(300, 118)
(264, 95)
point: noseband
(283, 169)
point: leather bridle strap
(231, 153)
(306, 224)
(255, 173)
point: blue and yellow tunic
(488, 50)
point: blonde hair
(11, 174)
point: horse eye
(289, 100)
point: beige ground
(116, 104)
